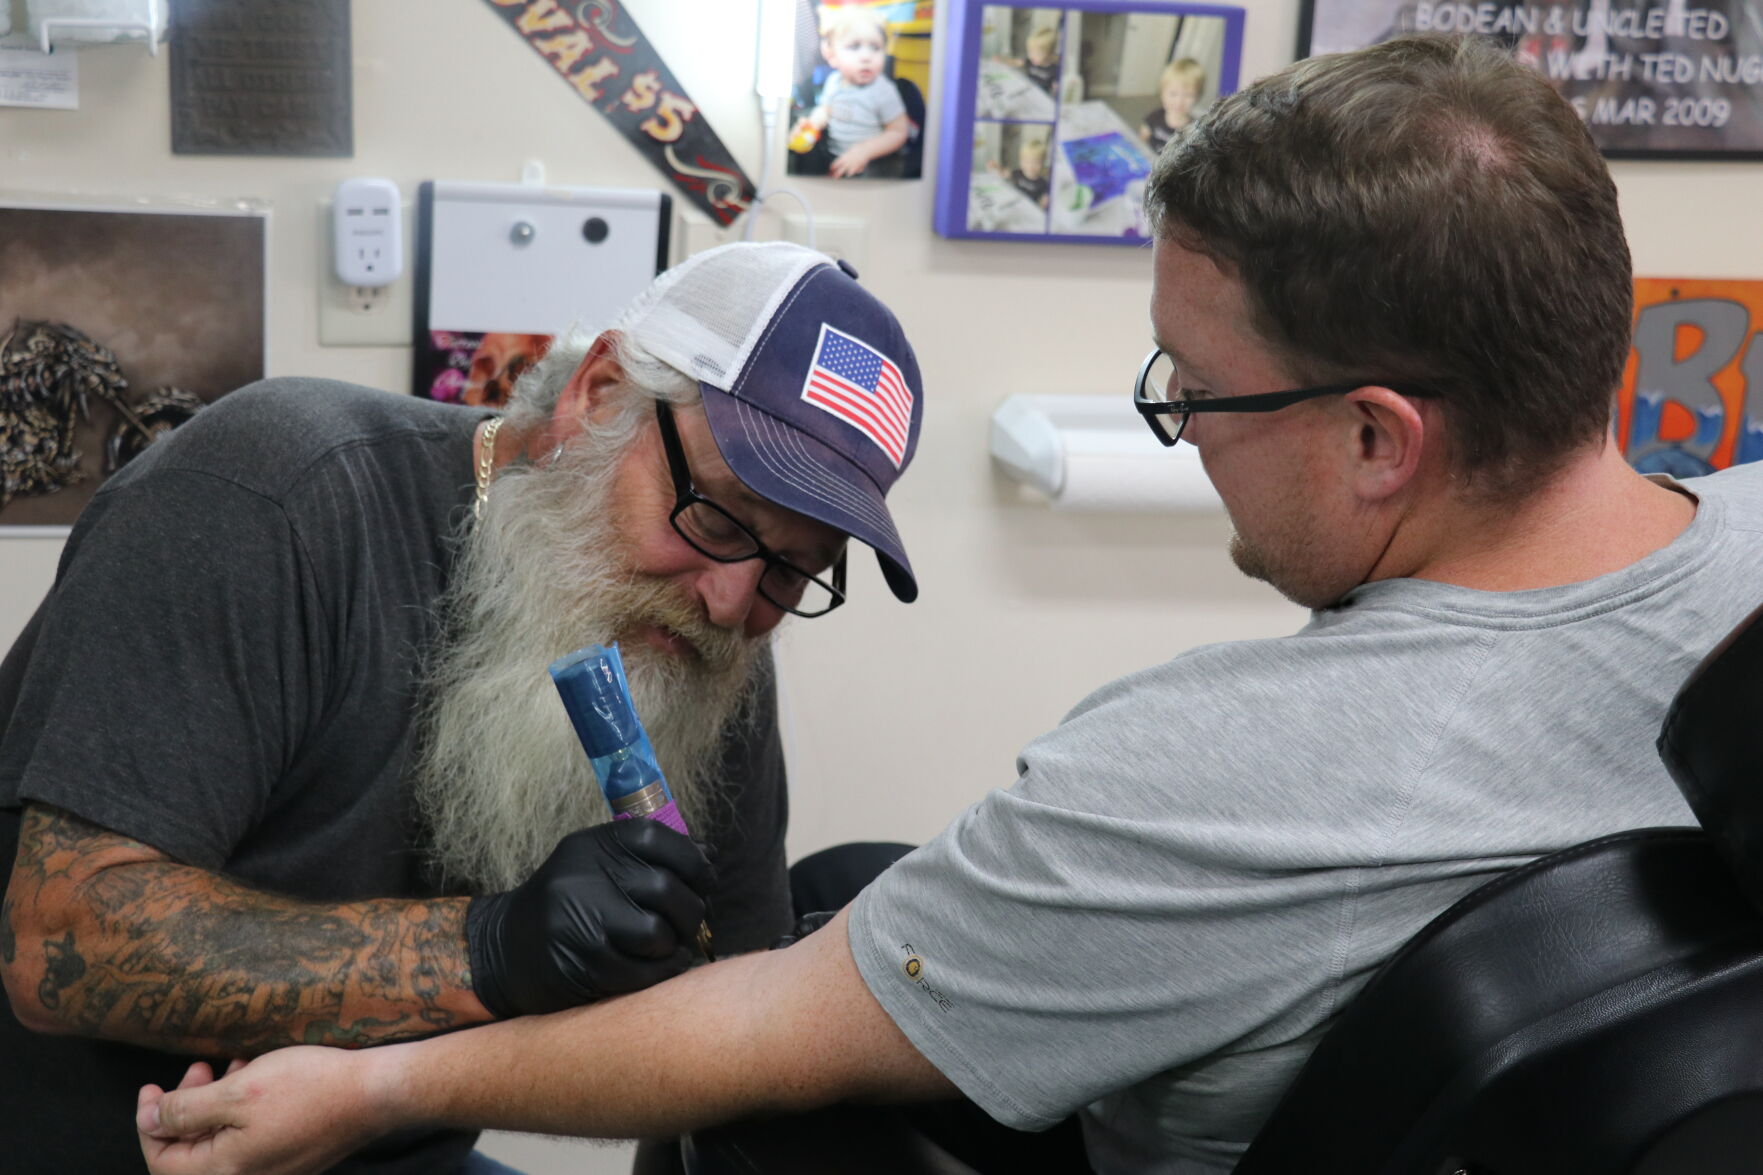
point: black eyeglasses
(1168, 417)
(714, 532)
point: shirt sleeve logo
(913, 966)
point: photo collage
(1071, 107)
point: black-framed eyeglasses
(719, 535)
(1168, 417)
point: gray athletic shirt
(857, 113)
(1207, 859)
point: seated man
(1397, 358)
(286, 705)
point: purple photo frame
(1089, 125)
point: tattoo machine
(597, 697)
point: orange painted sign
(1692, 392)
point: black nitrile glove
(614, 908)
(806, 925)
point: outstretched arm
(104, 936)
(777, 1031)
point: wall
(902, 715)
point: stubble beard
(499, 775)
(1300, 577)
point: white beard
(500, 776)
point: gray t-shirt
(856, 113)
(1206, 860)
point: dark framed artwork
(262, 79)
(117, 324)
(1053, 113)
(1653, 80)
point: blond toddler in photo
(860, 119)
(1178, 90)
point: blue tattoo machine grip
(597, 698)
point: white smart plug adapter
(366, 234)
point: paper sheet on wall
(30, 77)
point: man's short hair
(1428, 210)
(1043, 38)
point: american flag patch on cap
(862, 387)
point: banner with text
(1651, 78)
(599, 50)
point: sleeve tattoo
(156, 953)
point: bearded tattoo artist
(279, 754)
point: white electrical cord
(769, 108)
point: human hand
(806, 925)
(850, 163)
(296, 1110)
(615, 908)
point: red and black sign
(598, 49)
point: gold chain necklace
(486, 465)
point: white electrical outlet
(363, 316)
(840, 237)
(367, 240)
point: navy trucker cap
(812, 392)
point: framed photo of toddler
(1054, 113)
(861, 82)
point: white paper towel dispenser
(84, 23)
(1094, 453)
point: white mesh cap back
(705, 315)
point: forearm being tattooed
(105, 936)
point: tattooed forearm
(65, 968)
(119, 942)
(8, 943)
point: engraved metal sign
(261, 77)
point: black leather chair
(1597, 1012)
(912, 154)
